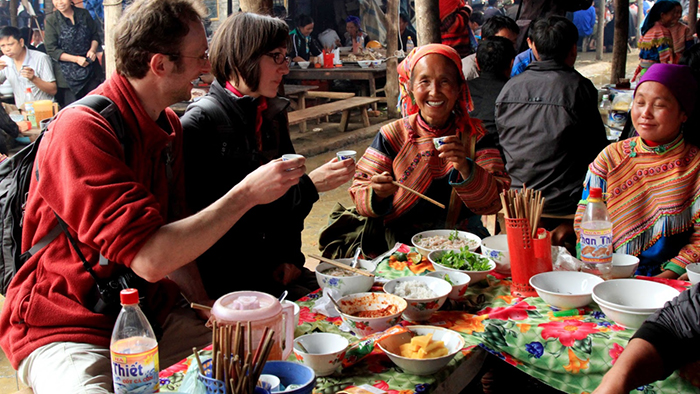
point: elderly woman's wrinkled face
(656, 114)
(435, 85)
(351, 29)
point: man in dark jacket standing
(548, 122)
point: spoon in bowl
(283, 296)
(355, 259)
(335, 303)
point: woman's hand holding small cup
(453, 151)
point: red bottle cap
(129, 296)
(596, 192)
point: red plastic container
(527, 256)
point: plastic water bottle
(409, 45)
(134, 349)
(596, 236)
(29, 107)
(604, 108)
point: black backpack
(15, 176)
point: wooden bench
(344, 106)
(328, 97)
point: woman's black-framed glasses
(280, 58)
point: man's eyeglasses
(280, 58)
(204, 57)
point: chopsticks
(233, 359)
(525, 204)
(423, 196)
(340, 265)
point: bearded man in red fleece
(125, 203)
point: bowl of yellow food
(423, 350)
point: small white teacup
(439, 141)
(347, 154)
(291, 156)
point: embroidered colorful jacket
(652, 200)
(413, 161)
(656, 46)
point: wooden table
(299, 92)
(351, 72)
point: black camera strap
(73, 243)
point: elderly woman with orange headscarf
(434, 100)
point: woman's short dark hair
(153, 26)
(303, 20)
(240, 42)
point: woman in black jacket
(239, 126)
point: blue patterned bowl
(346, 284)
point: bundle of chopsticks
(525, 204)
(233, 359)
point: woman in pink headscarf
(434, 100)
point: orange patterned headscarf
(406, 103)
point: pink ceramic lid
(246, 306)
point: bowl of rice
(428, 241)
(367, 313)
(475, 265)
(345, 282)
(423, 294)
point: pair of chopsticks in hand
(423, 196)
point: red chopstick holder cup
(528, 256)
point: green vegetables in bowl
(464, 260)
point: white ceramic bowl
(304, 64)
(476, 276)
(624, 265)
(353, 303)
(324, 351)
(453, 342)
(624, 318)
(496, 248)
(693, 272)
(565, 289)
(474, 240)
(421, 308)
(270, 382)
(364, 63)
(458, 280)
(633, 295)
(376, 63)
(346, 284)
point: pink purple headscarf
(677, 78)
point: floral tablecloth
(569, 353)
